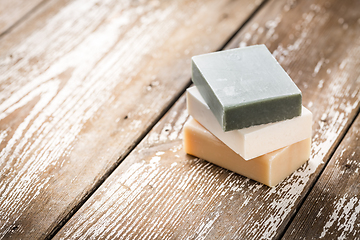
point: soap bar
(253, 141)
(245, 87)
(269, 169)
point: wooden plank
(332, 209)
(81, 82)
(11, 11)
(159, 192)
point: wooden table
(92, 108)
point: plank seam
(330, 155)
(252, 15)
(84, 199)
(23, 18)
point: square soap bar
(245, 87)
(253, 141)
(269, 169)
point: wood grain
(159, 192)
(81, 82)
(12, 11)
(332, 210)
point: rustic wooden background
(92, 109)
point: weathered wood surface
(332, 210)
(158, 192)
(81, 82)
(11, 12)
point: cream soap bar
(256, 140)
(269, 169)
(245, 87)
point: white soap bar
(256, 140)
(269, 168)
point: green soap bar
(245, 87)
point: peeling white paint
(343, 218)
(318, 66)
(95, 58)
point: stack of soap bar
(245, 82)
(246, 141)
(269, 168)
(248, 115)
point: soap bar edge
(222, 111)
(270, 178)
(207, 93)
(235, 139)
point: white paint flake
(343, 218)
(82, 61)
(318, 66)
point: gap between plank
(23, 18)
(261, 5)
(82, 201)
(336, 146)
